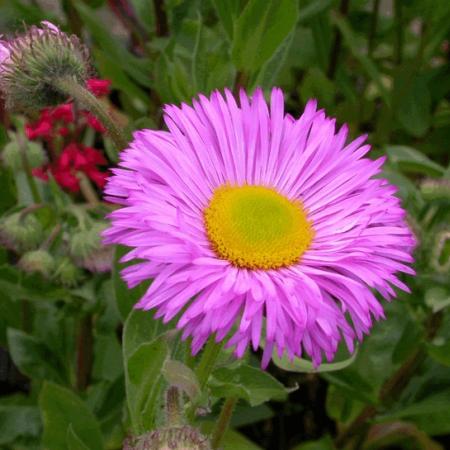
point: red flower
(98, 87)
(63, 112)
(42, 128)
(73, 159)
(93, 122)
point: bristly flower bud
(88, 251)
(67, 273)
(21, 232)
(179, 438)
(12, 158)
(37, 261)
(30, 64)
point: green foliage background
(383, 67)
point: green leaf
(61, 409)
(228, 11)
(232, 440)
(437, 298)
(178, 374)
(440, 353)
(325, 443)
(314, 7)
(304, 366)
(414, 109)
(73, 441)
(409, 159)
(246, 382)
(432, 414)
(145, 383)
(366, 63)
(33, 357)
(352, 384)
(136, 68)
(18, 421)
(125, 298)
(140, 327)
(260, 30)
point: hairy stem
(72, 88)
(223, 422)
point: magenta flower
(244, 215)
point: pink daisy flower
(259, 226)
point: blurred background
(382, 66)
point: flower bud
(89, 252)
(32, 62)
(179, 438)
(37, 261)
(21, 232)
(67, 273)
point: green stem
(337, 42)
(398, 13)
(27, 168)
(84, 352)
(87, 190)
(173, 409)
(373, 26)
(72, 88)
(223, 422)
(207, 361)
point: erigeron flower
(260, 226)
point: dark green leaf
(18, 421)
(33, 357)
(260, 30)
(73, 441)
(145, 383)
(411, 160)
(246, 382)
(61, 409)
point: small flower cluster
(60, 128)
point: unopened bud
(31, 63)
(21, 232)
(37, 261)
(67, 273)
(89, 252)
(179, 438)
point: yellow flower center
(255, 227)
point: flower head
(30, 64)
(244, 215)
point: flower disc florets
(34, 61)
